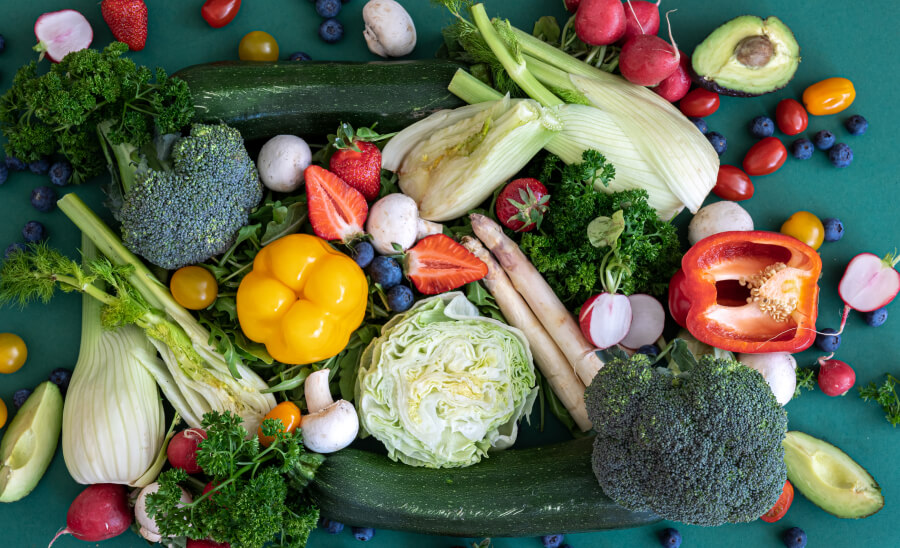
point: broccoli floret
(186, 213)
(701, 445)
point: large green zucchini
(525, 492)
(309, 98)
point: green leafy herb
(257, 496)
(605, 231)
(806, 380)
(481, 297)
(886, 396)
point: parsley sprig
(886, 396)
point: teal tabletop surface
(856, 40)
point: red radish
(641, 17)
(835, 377)
(206, 543)
(98, 513)
(62, 32)
(182, 450)
(870, 282)
(647, 321)
(605, 319)
(647, 60)
(572, 5)
(600, 22)
(677, 84)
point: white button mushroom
(282, 161)
(778, 368)
(148, 528)
(330, 425)
(394, 219)
(718, 217)
(389, 31)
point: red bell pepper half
(752, 292)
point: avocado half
(747, 56)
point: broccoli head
(187, 212)
(700, 443)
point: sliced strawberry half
(336, 210)
(437, 264)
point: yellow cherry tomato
(258, 46)
(13, 353)
(3, 413)
(806, 227)
(194, 287)
(290, 418)
(829, 96)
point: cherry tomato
(791, 117)
(835, 377)
(699, 103)
(765, 157)
(258, 46)
(219, 13)
(733, 184)
(290, 418)
(829, 96)
(13, 353)
(3, 413)
(806, 227)
(194, 287)
(679, 305)
(781, 505)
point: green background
(851, 39)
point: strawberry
(127, 19)
(437, 264)
(521, 205)
(357, 160)
(336, 210)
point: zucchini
(525, 492)
(311, 98)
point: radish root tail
(636, 20)
(672, 38)
(61, 532)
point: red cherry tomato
(733, 184)
(765, 157)
(219, 13)
(679, 305)
(781, 505)
(699, 103)
(791, 117)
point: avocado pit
(754, 51)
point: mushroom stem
(427, 228)
(317, 392)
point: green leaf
(605, 231)
(286, 219)
(681, 359)
(547, 29)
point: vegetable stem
(472, 90)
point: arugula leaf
(884, 395)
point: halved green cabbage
(443, 385)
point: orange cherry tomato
(830, 96)
(765, 157)
(806, 227)
(288, 413)
(258, 46)
(3, 413)
(194, 287)
(791, 117)
(13, 352)
(733, 184)
(699, 103)
(781, 505)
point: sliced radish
(869, 282)
(605, 319)
(648, 317)
(62, 32)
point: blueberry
(552, 541)
(60, 173)
(333, 527)
(15, 164)
(331, 30)
(299, 56)
(794, 537)
(363, 253)
(834, 229)
(670, 537)
(19, 397)
(856, 124)
(566, 545)
(385, 271)
(762, 127)
(876, 317)
(4, 173)
(718, 142)
(802, 149)
(650, 350)
(823, 140)
(328, 8)
(40, 167)
(840, 155)
(33, 232)
(43, 198)
(13, 248)
(2, 43)
(828, 340)
(363, 533)
(400, 298)
(701, 124)
(61, 377)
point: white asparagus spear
(551, 361)
(557, 320)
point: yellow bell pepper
(829, 96)
(303, 299)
